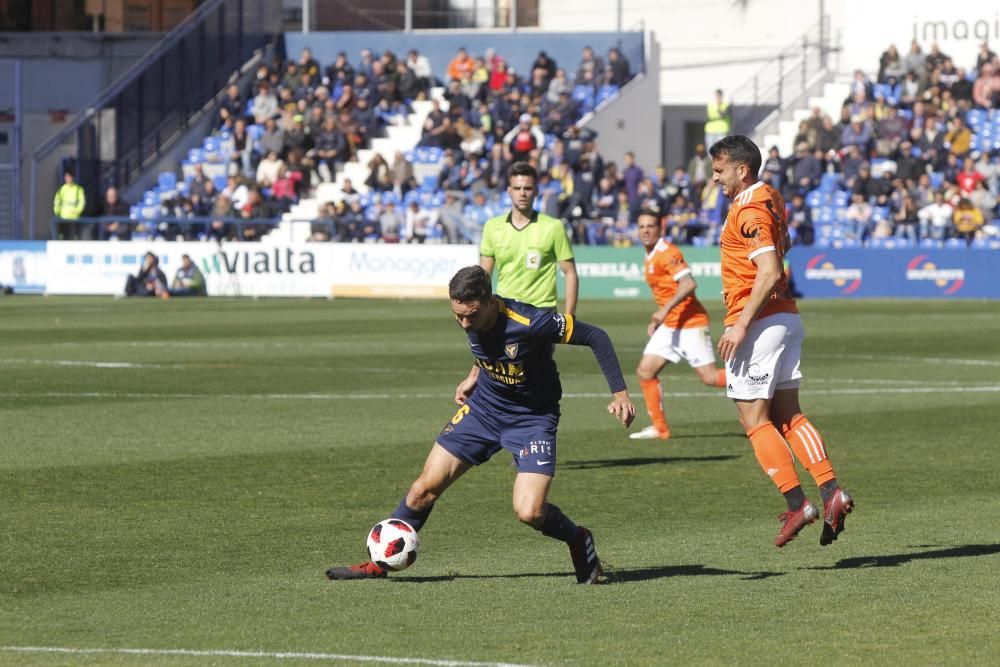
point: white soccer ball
(393, 544)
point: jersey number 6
(462, 411)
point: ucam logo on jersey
(820, 268)
(949, 280)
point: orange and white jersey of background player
(755, 225)
(664, 267)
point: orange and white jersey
(755, 225)
(664, 267)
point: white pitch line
(443, 395)
(929, 360)
(89, 364)
(277, 655)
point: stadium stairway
(295, 226)
(830, 102)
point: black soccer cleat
(367, 570)
(585, 560)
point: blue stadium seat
(606, 92)
(582, 93)
(829, 182)
(937, 178)
(814, 199)
(841, 199)
(167, 180)
(429, 183)
(220, 182)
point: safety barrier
(418, 271)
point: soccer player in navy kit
(514, 405)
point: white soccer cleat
(649, 433)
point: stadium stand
(334, 132)
(339, 150)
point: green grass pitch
(176, 476)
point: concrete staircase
(295, 226)
(831, 101)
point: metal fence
(193, 228)
(781, 83)
(130, 124)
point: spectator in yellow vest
(68, 206)
(718, 124)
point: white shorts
(767, 359)
(694, 344)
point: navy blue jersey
(517, 371)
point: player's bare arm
(465, 387)
(686, 286)
(768, 276)
(568, 267)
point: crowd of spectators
(912, 156)
(911, 159)
(299, 122)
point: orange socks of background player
(809, 449)
(720, 378)
(773, 456)
(653, 394)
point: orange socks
(809, 450)
(653, 395)
(773, 456)
(720, 378)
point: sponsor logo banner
(821, 268)
(617, 273)
(23, 266)
(898, 272)
(260, 269)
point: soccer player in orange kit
(678, 329)
(762, 342)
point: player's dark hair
(470, 285)
(522, 168)
(648, 210)
(738, 149)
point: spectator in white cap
(524, 138)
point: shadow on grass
(894, 560)
(617, 576)
(643, 461)
(691, 436)
(612, 575)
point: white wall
(725, 33)
(958, 28)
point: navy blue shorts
(476, 433)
